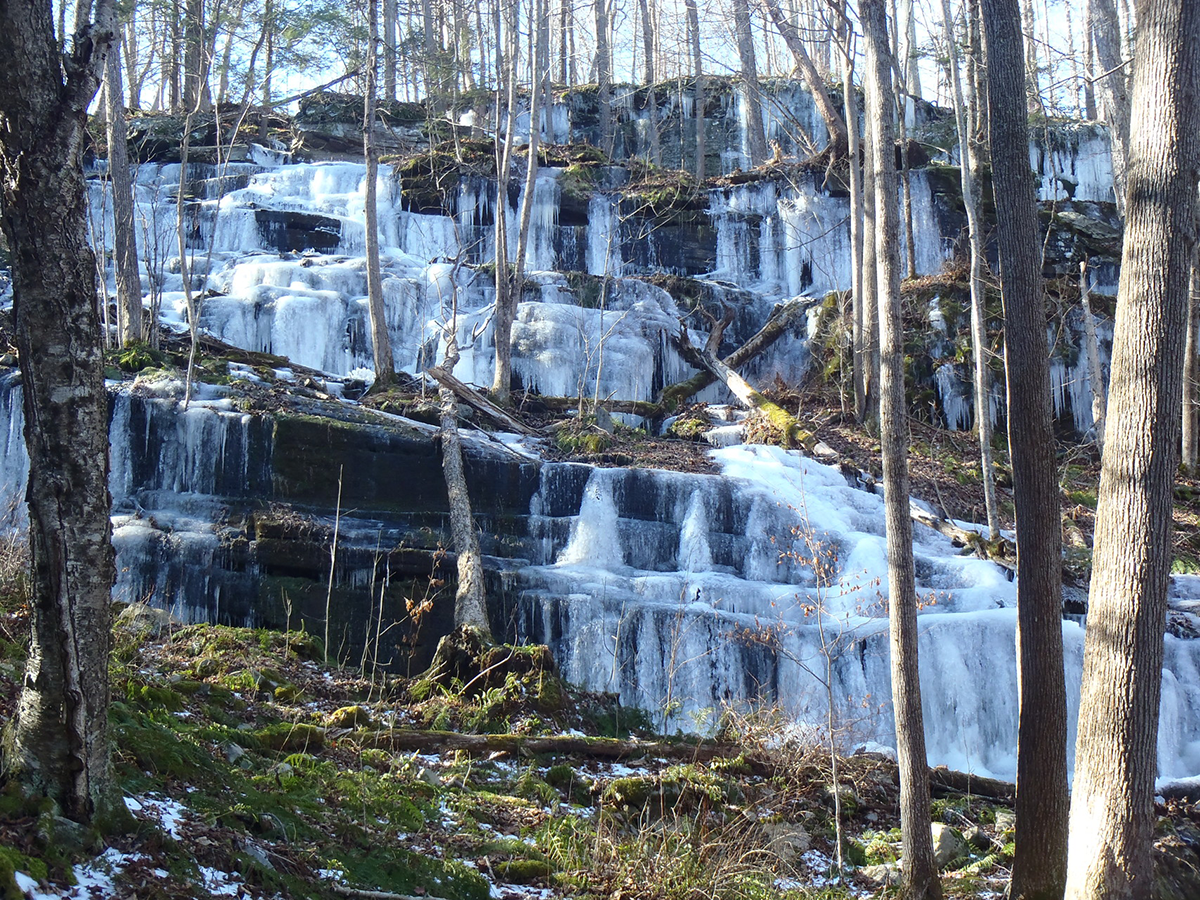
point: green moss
(581, 440)
(153, 696)
(523, 871)
(349, 717)
(155, 747)
(136, 356)
(289, 737)
(691, 428)
(13, 861)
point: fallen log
(408, 740)
(782, 317)
(478, 402)
(1001, 551)
(647, 409)
(793, 432)
(947, 781)
(400, 740)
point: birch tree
(1112, 806)
(57, 746)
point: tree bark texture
(968, 166)
(1112, 88)
(652, 98)
(699, 97)
(870, 283)
(919, 879)
(604, 65)
(756, 139)
(381, 342)
(129, 281)
(1095, 373)
(470, 603)
(507, 291)
(854, 146)
(1112, 812)
(58, 744)
(1041, 840)
(1190, 374)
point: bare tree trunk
(1112, 807)
(1041, 841)
(699, 98)
(870, 283)
(506, 302)
(1032, 80)
(910, 237)
(1113, 88)
(381, 342)
(652, 97)
(171, 60)
(389, 49)
(269, 62)
(919, 879)
(506, 310)
(858, 305)
(195, 64)
(983, 381)
(604, 65)
(129, 282)
(834, 123)
(133, 76)
(1095, 376)
(1089, 61)
(1190, 373)
(976, 71)
(756, 140)
(470, 600)
(57, 745)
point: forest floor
(252, 769)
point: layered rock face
(685, 593)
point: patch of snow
(166, 813)
(220, 883)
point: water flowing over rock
(687, 594)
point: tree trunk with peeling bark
(57, 746)
(1112, 807)
(919, 878)
(1041, 841)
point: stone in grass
(789, 842)
(949, 845)
(979, 839)
(349, 717)
(882, 875)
